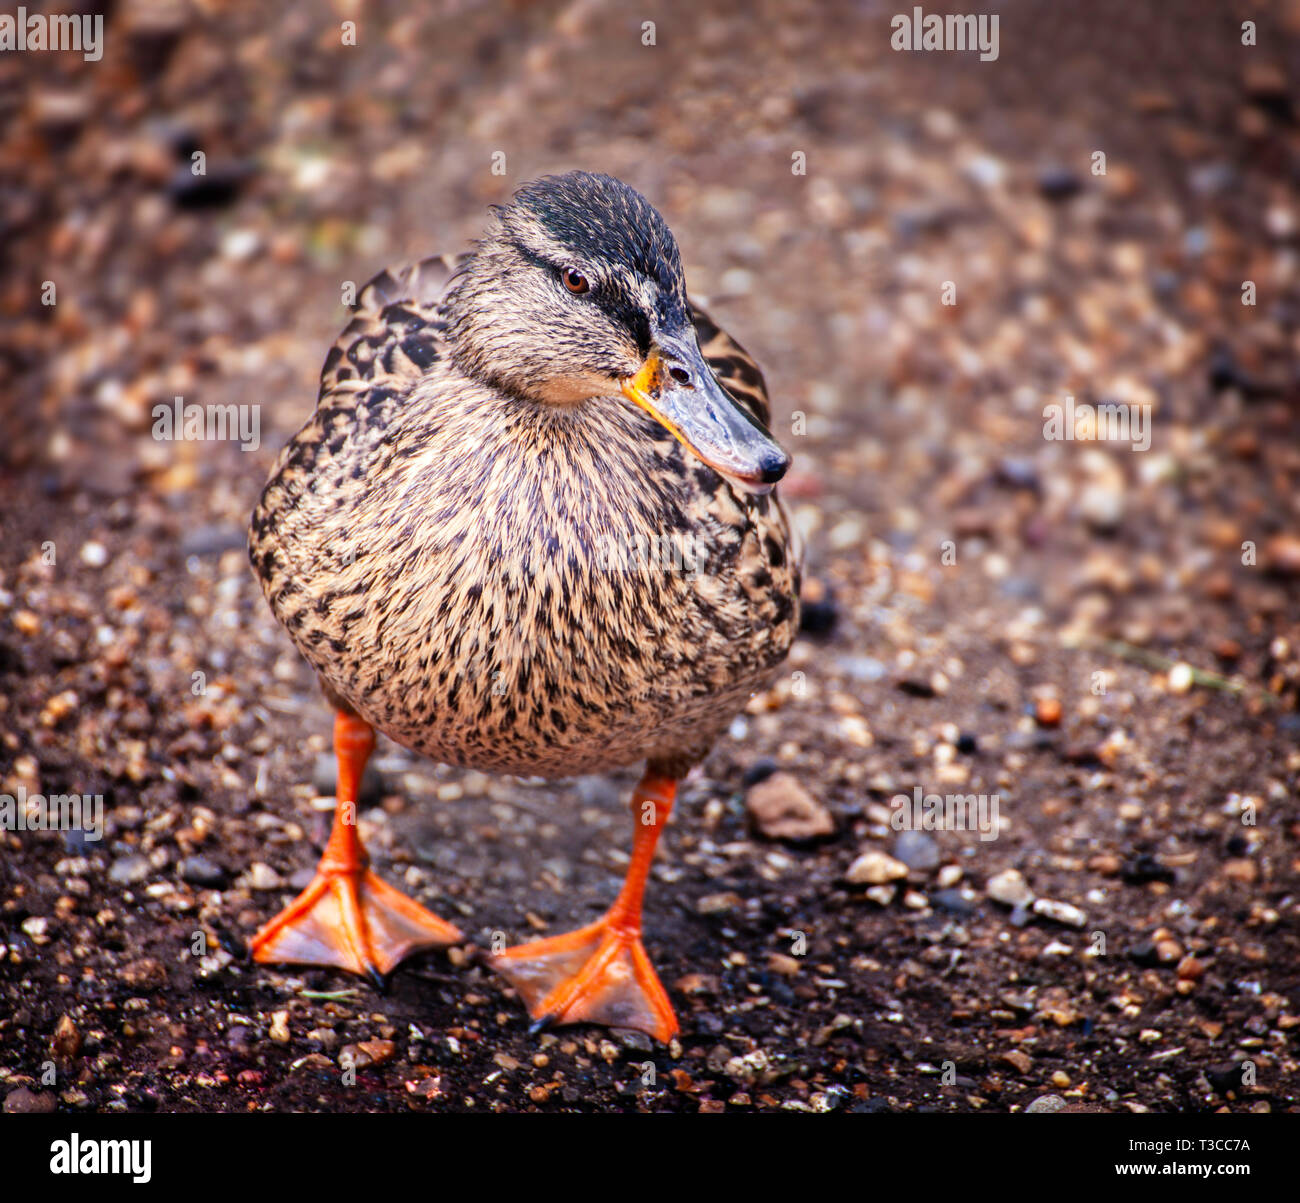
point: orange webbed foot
(597, 974)
(347, 917)
(600, 973)
(351, 920)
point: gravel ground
(1106, 639)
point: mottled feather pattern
(731, 363)
(441, 551)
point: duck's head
(576, 294)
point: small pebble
(1058, 183)
(1045, 1104)
(749, 1068)
(719, 904)
(917, 851)
(1241, 870)
(261, 876)
(781, 809)
(143, 974)
(200, 871)
(30, 1102)
(58, 708)
(1181, 678)
(1105, 864)
(66, 1042)
(129, 870)
(1060, 912)
(1102, 506)
(955, 901)
(1168, 951)
(1282, 555)
(1190, 969)
(1009, 888)
(379, 1052)
(875, 868)
(1047, 712)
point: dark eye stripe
(609, 297)
(632, 319)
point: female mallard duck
(529, 529)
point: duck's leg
(600, 973)
(347, 917)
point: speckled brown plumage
(445, 551)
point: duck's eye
(574, 280)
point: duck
(531, 528)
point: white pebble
(1181, 678)
(1009, 888)
(875, 868)
(1060, 912)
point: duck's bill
(678, 389)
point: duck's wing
(396, 332)
(743, 379)
(733, 365)
(396, 335)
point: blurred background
(922, 254)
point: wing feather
(396, 331)
(733, 365)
